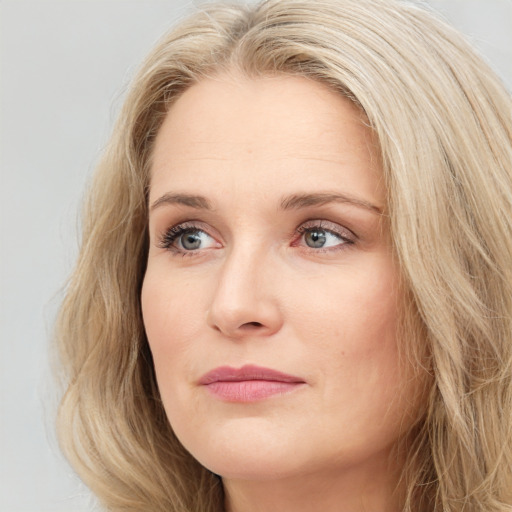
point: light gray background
(63, 68)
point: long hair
(444, 125)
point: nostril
(251, 325)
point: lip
(249, 383)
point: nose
(245, 301)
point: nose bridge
(245, 298)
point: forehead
(281, 127)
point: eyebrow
(192, 201)
(297, 201)
(292, 202)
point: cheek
(172, 320)
(348, 327)
(352, 311)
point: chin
(236, 466)
(245, 454)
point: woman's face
(270, 296)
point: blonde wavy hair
(444, 124)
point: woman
(295, 285)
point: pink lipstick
(249, 383)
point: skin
(254, 292)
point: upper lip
(247, 372)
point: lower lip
(250, 390)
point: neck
(349, 490)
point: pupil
(191, 240)
(315, 239)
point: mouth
(249, 383)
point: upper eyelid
(333, 227)
(202, 226)
(184, 225)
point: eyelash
(171, 235)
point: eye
(324, 235)
(185, 239)
(318, 238)
(192, 239)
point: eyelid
(333, 227)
